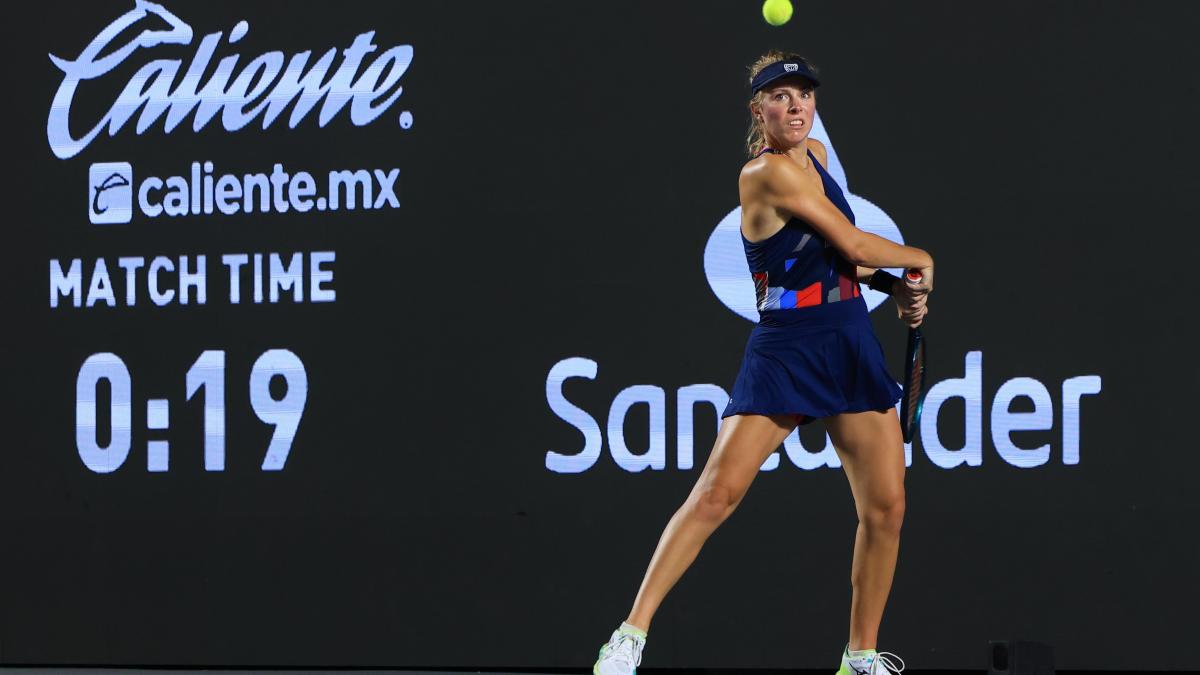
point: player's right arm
(780, 185)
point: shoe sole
(596, 669)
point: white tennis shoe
(620, 655)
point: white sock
(632, 630)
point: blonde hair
(756, 140)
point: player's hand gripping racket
(914, 375)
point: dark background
(565, 168)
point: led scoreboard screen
(373, 334)
(203, 92)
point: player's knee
(885, 514)
(714, 502)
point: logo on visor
(790, 67)
(110, 193)
(725, 259)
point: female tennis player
(812, 355)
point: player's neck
(798, 153)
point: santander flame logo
(264, 86)
(725, 259)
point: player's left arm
(863, 274)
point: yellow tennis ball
(777, 12)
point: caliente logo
(725, 259)
(262, 87)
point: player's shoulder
(768, 170)
(775, 178)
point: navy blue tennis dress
(813, 352)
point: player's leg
(743, 443)
(871, 449)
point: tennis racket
(914, 376)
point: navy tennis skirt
(813, 362)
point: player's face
(788, 108)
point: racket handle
(913, 277)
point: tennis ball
(777, 12)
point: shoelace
(890, 666)
(632, 654)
